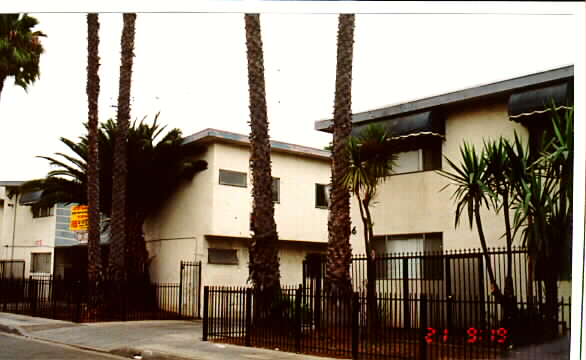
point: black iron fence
(459, 276)
(75, 301)
(302, 321)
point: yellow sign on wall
(79, 218)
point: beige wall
(28, 231)
(296, 216)
(413, 203)
(203, 208)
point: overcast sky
(192, 68)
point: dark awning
(423, 123)
(30, 198)
(526, 104)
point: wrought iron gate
(190, 289)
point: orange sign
(79, 218)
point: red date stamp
(474, 335)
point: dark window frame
(34, 264)
(278, 192)
(41, 212)
(223, 256)
(325, 197)
(245, 176)
(430, 267)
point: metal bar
(205, 325)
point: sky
(191, 67)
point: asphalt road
(16, 348)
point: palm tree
(119, 181)
(93, 184)
(339, 251)
(543, 206)
(157, 166)
(472, 192)
(371, 161)
(264, 260)
(20, 49)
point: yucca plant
(471, 179)
(371, 162)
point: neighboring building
(208, 218)
(39, 238)
(410, 212)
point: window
(41, 263)
(426, 267)
(39, 212)
(222, 256)
(276, 190)
(232, 178)
(426, 158)
(322, 196)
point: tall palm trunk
(93, 184)
(264, 260)
(2, 78)
(118, 241)
(339, 249)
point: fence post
(406, 307)
(248, 316)
(198, 315)
(355, 310)
(33, 294)
(482, 293)
(423, 326)
(449, 294)
(298, 320)
(182, 265)
(206, 294)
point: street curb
(15, 330)
(146, 354)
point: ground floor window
(222, 256)
(41, 263)
(417, 248)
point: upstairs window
(39, 212)
(232, 178)
(322, 196)
(276, 190)
(423, 159)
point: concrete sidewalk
(172, 340)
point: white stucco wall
(19, 240)
(413, 203)
(204, 209)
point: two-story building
(37, 241)
(208, 219)
(411, 214)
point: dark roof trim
(501, 87)
(11, 183)
(213, 135)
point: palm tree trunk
(93, 184)
(118, 241)
(372, 307)
(2, 78)
(264, 260)
(339, 249)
